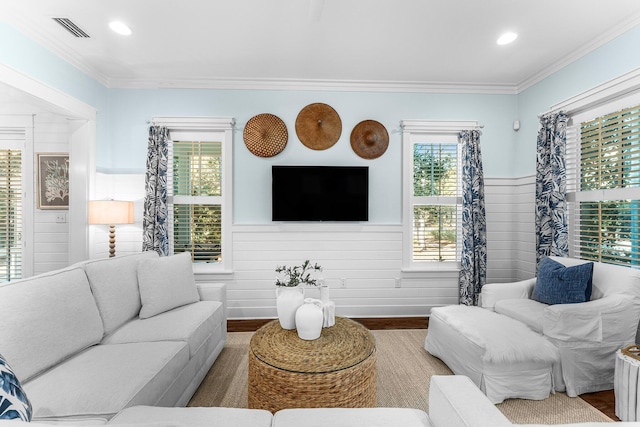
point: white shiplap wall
(524, 191)
(510, 204)
(51, 237)
(368, 257)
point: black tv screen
(320, 193)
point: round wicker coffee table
(336, 370)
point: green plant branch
(298, 274)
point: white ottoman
(502, 356)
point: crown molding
(41, 38)
(596, 43)
(50, 96)
(72, 58)
(314, 85)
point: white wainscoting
(367, 256)
(51, 134)
(524, 190)
(510, 204)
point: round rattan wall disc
(318, 126)
(265, 135)
(369, 139)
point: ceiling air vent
(70, 26)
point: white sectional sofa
(90, 340)
(454, 401)
(123, 341)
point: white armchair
(586, 334)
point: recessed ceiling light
(120, 28)
(507, 38)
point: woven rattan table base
(326, 376)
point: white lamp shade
(110, 212)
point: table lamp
(111, 212)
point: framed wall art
(53, 180)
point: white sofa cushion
(455, 401)
(194, 416)
(103, 379)
(114, 283)
(46, 319)
(192, 323)
(350, 417)
(528, 311)
(166, 283)
(502, 338)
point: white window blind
(196, 201)
(603, 184)
(435, 201)
(10, 215)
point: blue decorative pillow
(13, 400)
(557, 284)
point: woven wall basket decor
(369, 139)
(265, 135)
(318, 126)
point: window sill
(435, 268)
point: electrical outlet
(343, 283)
(398, 282)
(61, 218)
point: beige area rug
(404, 369)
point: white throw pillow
(166, 283)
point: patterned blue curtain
(551, 187)
(155, 233)
(473, 272)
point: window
(603, 164)
(435, 191)
(10, 215)
(199, 190)
(432, 197)
(197, 202)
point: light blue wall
(617, 57)
(131, 109)
(39, 63)
(123, 115)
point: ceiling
(400, 45)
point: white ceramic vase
(309, 319)
(288, 299)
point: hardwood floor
(603, 400)
(370, 322)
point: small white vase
(309, 319)
(324, 293)
(288, 299)
(328, 307)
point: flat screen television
(320, 193)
